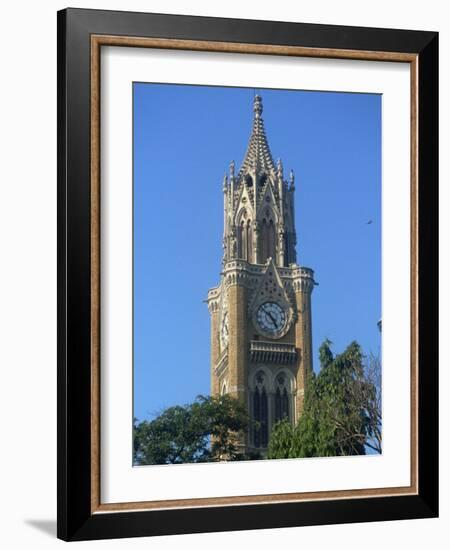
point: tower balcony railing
(272, 352)
(293, 270)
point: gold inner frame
(97, 41)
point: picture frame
(81, 36)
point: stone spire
(259, 219)
(258, 156)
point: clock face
(271, 317)
(224, 330)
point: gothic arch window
(264, 241)
(229, 252)
(262, 179)
(249, 180)
(260, 411)
(239, 240)
(283, 398)
(271, 240)
(224, 389)
(249, 238)
(245, 237)
(268, 246)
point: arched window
(262, 179)
(268, 246)
(239, 240)
(245, 237)
(249, 238)
(256, 414)
(260, 412)
(249, 181)
(243, 253)
(264, 241)
(282, 399)
(271, 240)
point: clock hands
(271, 317)
(274, 322)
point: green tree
(206, 430)
(340, 414)
(281, 439)
(372, 401)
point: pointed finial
(279, 167)
(292, 180)
(257, 105)
(232, 169)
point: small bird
(369, 222)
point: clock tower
(261, 340)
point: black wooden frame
(75, 521)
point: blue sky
(184, 139)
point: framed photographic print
(247, 255)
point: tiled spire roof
(258, 152)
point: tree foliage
(280, 442)
(372, 400)
(206, 430)
(341, 410)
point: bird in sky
(369, 222)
